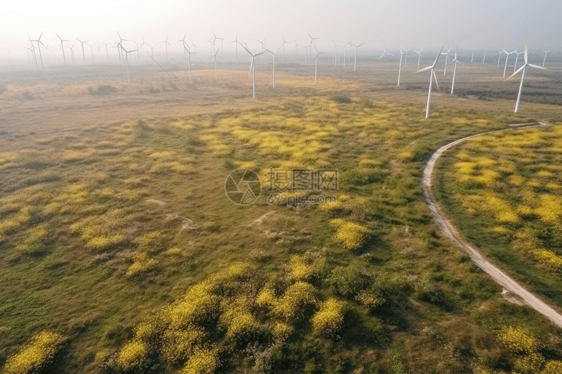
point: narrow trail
(452, 233)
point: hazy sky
(410, 23)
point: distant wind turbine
(274, 54)
(127, 61)
(506, 59)
(62, 47)
(472, 58)
(524, 68)
(166, 44)
(316, 63)
(516, 59)
(83, 54)
(72, 53)
(544, 60)
(456, 61)
(215, 57)
(433, 76)
(384, 52)
(39, 44)
(419, 56)
(400, 65)
(484, 58)
(355, 62)
(253, 68)
(446, 60)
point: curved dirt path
(451, 232)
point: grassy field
(119, 251)
(504, 192)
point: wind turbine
(544, 60)
(472, 58)
(456, 61)
(62, 47)
(484, 58)
(316, 63)
(446, 60)
(127, 61)
(499, 57)
(506, 59)
(419, 56)
(39, 43)
(166, 44)
(283, 45)
(107, 50)
(72, 53)
(311, 44)
(221, 39)
(263, 48)
(400, 66)
(524, 68)
(384, 52)
(356, 46)
(516, 59)
(83, 54)
(274, 54)
(433, 76)
(253, 68)
(32, 49)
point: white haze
(410, 23)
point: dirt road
(451, 232)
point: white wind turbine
(262, 42)
(516, 59)
(499, 57)
(544, 60)
(484, 58)
(83, 54)
(283, 45)
(316, 63)
(472, 58)
(187, 51)
(384, 52)
(506, 59)
(446, 60)
(274, 54)
(107, 50)
(433, 76)
(71, 53)
(253, 69)
(400, 65)
(62, 47)
(166, 44)
(39, 44)
(456, 61)
(419, 56)
(524, 68)
(127, 61)
(311, 44)
(355, 61)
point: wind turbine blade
(257, 54)
(242, 45)
(437, 58)
(536, 66)
(526, 52)
(517, 72)
(424, 69)
(436, 83)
